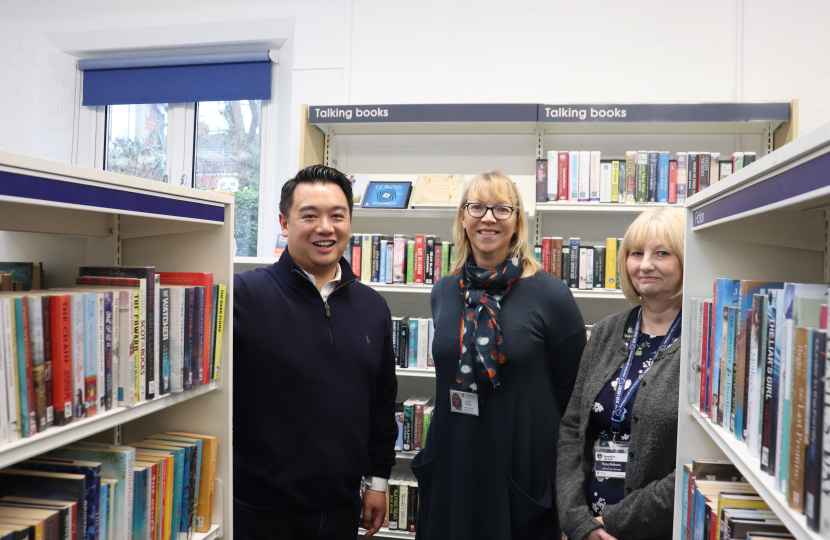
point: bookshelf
(67, 216)
(767, 221)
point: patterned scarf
(481, 339)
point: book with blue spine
(412, 353)
(390, 260)
(196, 467)
(726, 294)
(663, 177)
(164, 345)
(684, 513)
(653, 159)
(107, 393)
(573, 176)
(24, 414)
(186, 486)
(383, 255)
(103, 507)
(90, 349)
(140, 525)
(179, 462)
(117, 462)
(573, 271)
(729, 362)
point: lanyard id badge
(620, 399)
(610, 459)
(463, 402)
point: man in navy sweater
(315, 386)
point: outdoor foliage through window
(137, 140)
(227, 158)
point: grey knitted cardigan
(647, 510)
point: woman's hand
(599, 534)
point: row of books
(761, 350)
(718, 504)
(643, 177)
(413, 416)
(419, 260)
(20, 276)
(67, 354)
(402, 500)
(412, 342)
(161, 488)
(581, 267)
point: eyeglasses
(479, 210)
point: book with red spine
(439, 253)
(420, 253)
(196, 279)
(547, 247)
(61, 333)
(108, 281)
(563, 176)
(672, 182)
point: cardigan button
(631, 455)
(628, 490)
(636, 418)
(644, 383)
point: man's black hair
(315, 174)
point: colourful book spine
(573, 273)
(382, 266)
(564, 168)
(108, 349)
(553, 175)
(366, 259)
(653, 174)
(573, 177)
(663, 177)
(445, 258)
(672, 182)
(610, 263)
(703, 170)
(399, 263)
(630, 177)
(410, 262)
(90, 349)
(798, 422)
(420, 255)
(25, 405)
(732, 314)
(692, 164)
(642, 177)
(615, 181)
(412, 356)
(541, 180)
(220, 329)
(623, 176)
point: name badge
(610, 459)
(463, 402)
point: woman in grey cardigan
(617, 440)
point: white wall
(374, 51)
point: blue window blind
(177, 78)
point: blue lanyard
(620, 400)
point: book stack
(761, 350)
(581, 266)
(642, 177)
(161, 488)
(402, 498)
(20, 276)
(400, 259)
(719, 504)
(67, 354)
(413, 416)
(412, 342)
(738, 162)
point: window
(227, 158)
(137, 140)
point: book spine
(90, 348)
(547, 247)
(681, 176)
(445, 258)
(630, 177)
(798, 418)
(221, 310)
(382, 267)
(573, 177)
(642, 177)
(556, 257)
(605, 181)
(375, 258)
(187, 360)
(692, 164)
(610, 263)
(418, 431)
(212, 344)
(619, 247)
(412, 354)
(573, 275)
(357, 258)
(399, 263)
(423, 343)
(767, 438)
(403, 351)
(653, 174)
(366, 259)
(26, 375)
(564, 169)
(198, 335)
(396, 337)
(566, 264)
(410, 262)
(38, 372)
(47, 361)
(703, 170)
(108, 346)
(394, 502)
(815, 454)
(824, 492)
(61, 359)
(622, 186)
(537, 253)
(615, 182)
(749, 157)
(390, 254)
(10, 367)
(584, 176)
(431, 334)
(663, 177)
(100, 339)
(595, 176)
(152, 343)
(420, 253)
(439, 254)
(429, 260)
(541, 180)
(78, 363)
(704, 353)
(583, 268)
(672, 182)
(553, 174)
(714, 167)
(599, 267)
(408, 424)
(165, 340)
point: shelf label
(465, 112)
(665, 112)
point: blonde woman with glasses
(508, 340)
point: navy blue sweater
(314, 395)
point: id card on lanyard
(621, 397)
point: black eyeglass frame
(491, 209)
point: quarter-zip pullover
(314, 390)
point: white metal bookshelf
(67, 216)
(767, 221)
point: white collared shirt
(372, 482)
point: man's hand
(374, 509)
(599, 534)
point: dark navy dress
(602, 493)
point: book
(594, 181)
(605, 181)
(663, 177)
(541, 180)
(610, 263)
(583, 268)
(7, 341)
(552, 175)
(547, 247)
(47, 485)
(556, 256)
(631, 177)
(375, 272)
(566, 263)
(672, 182)
(798, 418)
(584, 181)
(814, 428)
(616, 192)
(714, 167)
(390, 254)
(573, 177)
(563, 176)
(703, 170)
(419, 259)
(573, 274)
(732, 313)
(642, 176)
(692, 164)
(68, 512)
(412, 352)
(210, 446)
(429, 259)
(399, 263)
(599, 267)
(437, 190)
(681, 176)
(28, 274)
(767, 411)
(725, 295)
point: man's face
(318, 227)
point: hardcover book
(663, 177)
(681, 176)
(630, 177)
(437, 190)
(553, 175)
(564, 177)
(573, 177)
(653, 174)
(541, 180)
(584, 176)
(642, 176)
(595, 176)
